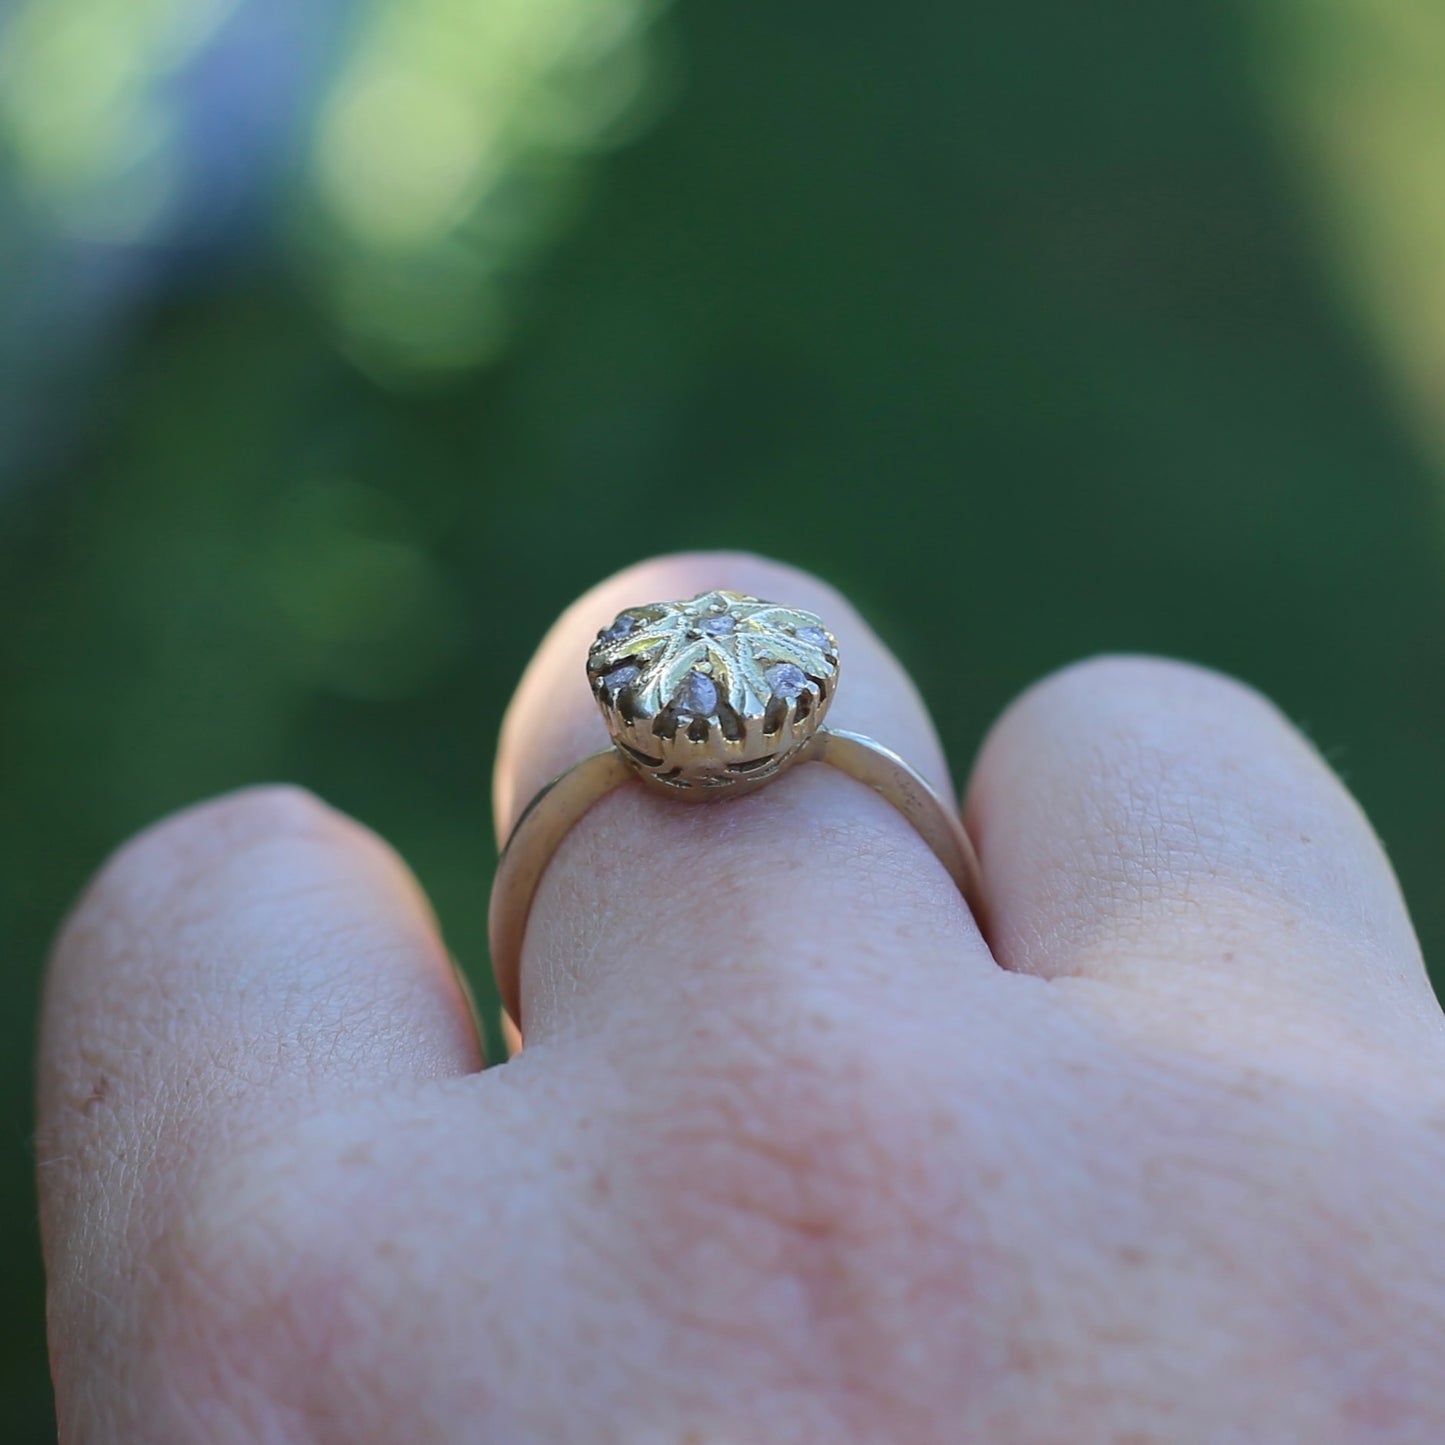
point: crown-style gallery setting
(708, 699)
(713, 694)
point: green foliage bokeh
(1011, 321)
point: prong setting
(714, 694)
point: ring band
(704, 700)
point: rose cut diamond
(624, 626)
(698, 697)
(786, 679)
(715, 692)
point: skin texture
(794, 1153)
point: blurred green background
(342, 345)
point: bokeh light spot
(399, 155)
(451, 145)
(94, 137)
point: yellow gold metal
(716, 693)
(704, 700)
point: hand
(793, 1152)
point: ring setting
(704, 700)
(714, 695)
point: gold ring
(703, 700)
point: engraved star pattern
(748, 649)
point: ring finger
(656, 910)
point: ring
(703, 700)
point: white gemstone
(698, 696)
(624, 626)
(815, 635)
(786, 679)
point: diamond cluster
(714, 692)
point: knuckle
(209, 834)
(1170, 764)
(1121, 684)
(239, 820)
(267, 808)
(146, 940)
(679, 574)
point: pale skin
(795, 1151)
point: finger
(233, 966)
(651, 903)
(1151, 822)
